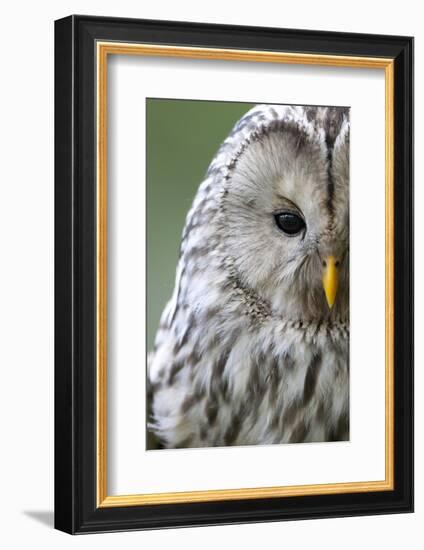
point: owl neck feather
(260, 310)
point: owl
(253, 346)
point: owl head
(277, 196)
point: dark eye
(289, 223)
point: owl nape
(253, 346)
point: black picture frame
(76, 509)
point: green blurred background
(182, 138)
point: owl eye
(290, 223)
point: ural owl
(253, 347)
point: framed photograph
(234, 274)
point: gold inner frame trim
(103, 50)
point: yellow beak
(330, 280)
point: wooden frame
(83, 45)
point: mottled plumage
(250, 348)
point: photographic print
(209, 197)
(247, 273)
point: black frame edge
(404, 270)
(64, 448)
